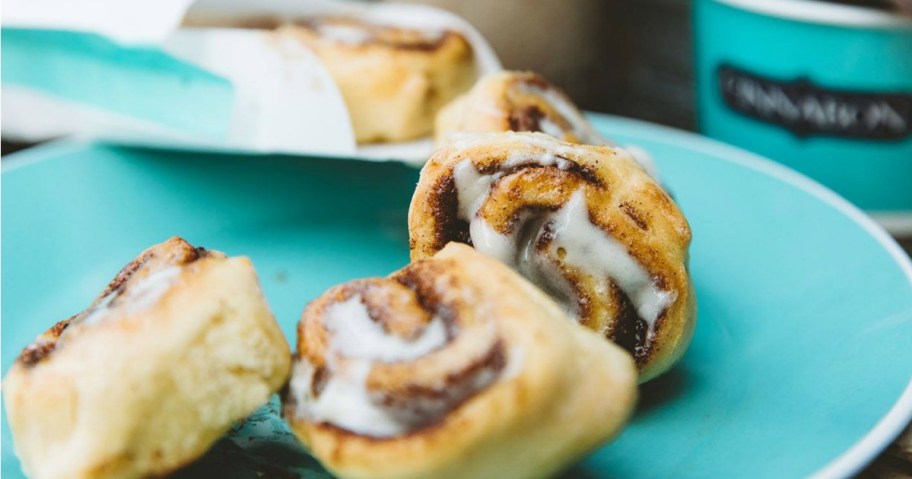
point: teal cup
(823, 88)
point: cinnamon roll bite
(584, 223)
(394, 79)
(452, 367)
(179, 346)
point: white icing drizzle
(515, 362)
(137, 298)
(100, 310)
(517, 250)
(579, 127)
(492, 243)
(548, 127)
(345, 400)
(150, 289)
(347, 34)
(546, 158)
(472, 188)
(588, 248)
(357, 336)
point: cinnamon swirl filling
(449, 368)
(537, 105)
(384, 358)
(566, 225)
(549, 246)
(523, 102)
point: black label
(807, 109)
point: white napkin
(284, 101)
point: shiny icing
(579, 127)
(588, 248)
(356, 342)
(143, 295)
(585, 247)
(357, 336)
(344, 400)
(548, 127)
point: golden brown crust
(623, 201)
(394, 80)
(497, 398)
(174, 252)
(515, 101)
(179, 346)
(43, 345)
(386, 36)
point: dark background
(626, 57)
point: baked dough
(178, 347)
(394, 80)
(453, 367)
(516, 101)
(585, 223)
(523, 101)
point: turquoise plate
(801, 361)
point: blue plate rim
(888, 428)
(864, 450)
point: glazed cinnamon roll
(584, 223)
(394, 80)
(522, 101)
(516, 101)
(179, 346)
(452, 367)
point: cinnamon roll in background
(452, 367)
(179, 346)
(521, 101)
(516, 101)
(393, 79)
(584, 223)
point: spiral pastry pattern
(516, 101)
(445, 369)
(522, 102)
(586, 224)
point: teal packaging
(140, 82)
(823, 88)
